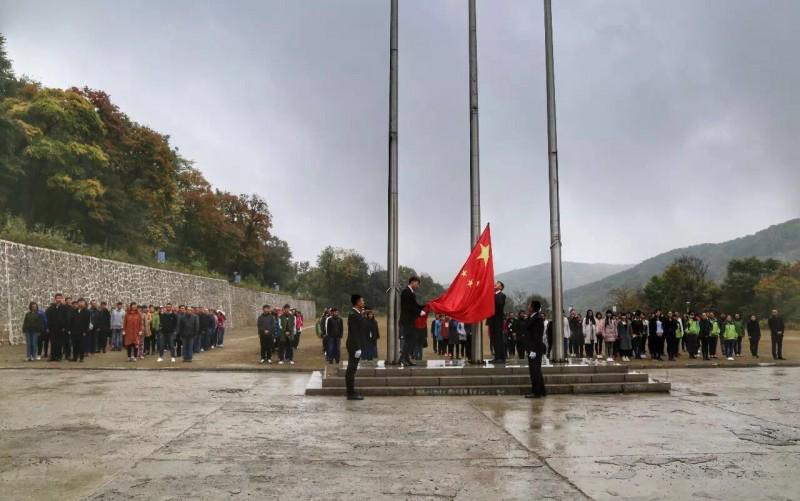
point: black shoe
(355, 396)
(532, 395)
(781, 358)
(497, 361)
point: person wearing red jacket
(132, 331)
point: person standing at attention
(410, 309)
(776, 328)
(496, 325)
(355, 344)
(535, 347)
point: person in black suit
(409, 311)
(533, 336)
(356, 342)
(496, 325)
(79, 330)
(57, 327)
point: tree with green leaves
(781, 291)
(738, 289)
(7, 79)
(684, 281)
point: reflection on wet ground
(721, 434)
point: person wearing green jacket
(716, 329)
(739, 323)
(691, 336)
(730, 336)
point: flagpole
(555, 218)
(392, 251)
(474, 164)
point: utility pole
(555, 218)
(474, 166)
(392, 351)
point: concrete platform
(722, 434)
(455, 378)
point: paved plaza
(722, 434)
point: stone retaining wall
(34, 274)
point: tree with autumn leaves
(72, 161)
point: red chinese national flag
(470, 297)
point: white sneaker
(202, 350)
(172, 359)
(269, 360)
(262, 361)
(280, 362)
(212, 347)
(609, 359)
(160, 359)
(291, 362)
(730, 358)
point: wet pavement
(721, 434)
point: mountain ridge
(780, 241)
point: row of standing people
(73, 330)
(279, 331)
(637, 335)
(330, 331)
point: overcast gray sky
(677, 121)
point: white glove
(532, 355)
(358, 354)
(423, 313)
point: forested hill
(536, 279)
(781, 241)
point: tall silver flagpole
(474, 164)
(392, 351)
(555, 221)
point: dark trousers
(754, 345)
(333, 353)
(67, 346)
(537, 378)
(705, 346)
(267, 345)
(777, 345)
(178, 346)
(656, 346)
(672, 346)
(188, 345)
(79, 342)
(43, 344)
(132, 349)
(738, 347)
(57, 345)
(712, 345)
(102, 340)
(285, 351)
(350, 374)
(691, 345)
(91, 341)
(166, 340)
(407, 338)
(499, 342)
(150, 344)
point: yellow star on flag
(469, 284)
(464, 273)
(484, 254)
(478, 283)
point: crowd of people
(72, 330)
(634, 335)
(330, 331)
(279, 330)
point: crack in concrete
(541, 458)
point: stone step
(484, 380)
(335, 370)
(553, 389)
